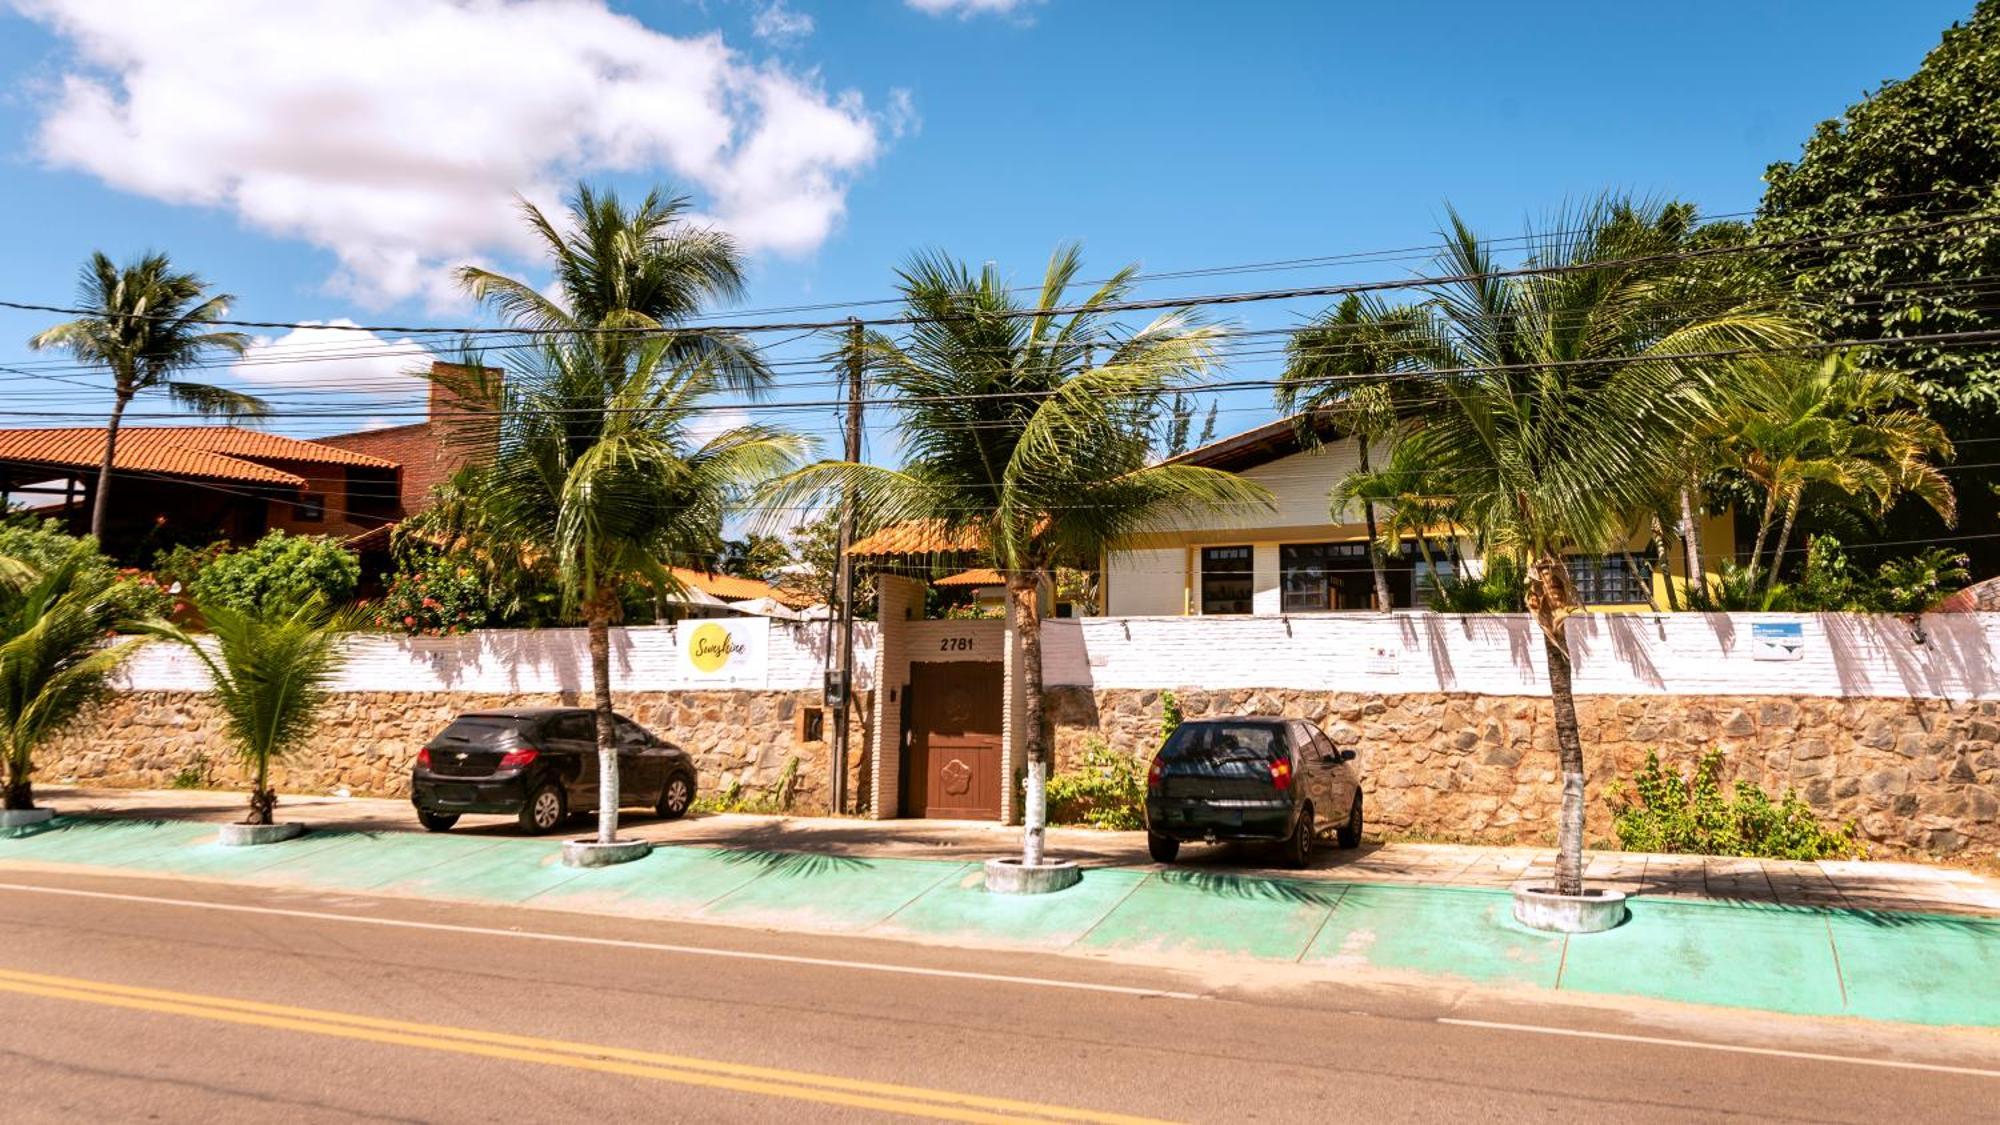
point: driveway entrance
(953, 768)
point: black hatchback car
(540, 764)
(1251, 778)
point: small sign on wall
(1384, 661)
(723, 651)
(1777, 640)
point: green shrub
(42, 543)
(1500, 588)
(278, 573)
(1105, 790)
(1694, 816)
(732, 799)
(431, 595)
(1170, 715)
(181, 564)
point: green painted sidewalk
(1919, 968)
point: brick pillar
(898, 600)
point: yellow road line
(743, 1078)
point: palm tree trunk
(607, 746)
(1569, 753)
(1764, 527)
(1784, 536)
(20, 788)
(1024, 591)
(262, 800)
(98, 506)
(1691, 547)
(1383, 602)
(1660, 538)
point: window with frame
(1227, 584)
(1425, 577)
(1316, 577)
(1607, 580)
(311, 508)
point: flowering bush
(431, 595)
(278, 573)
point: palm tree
(1795, 423)
(145, 324)
(1011, 433)
(53, 657)
(271, 671)
(599, 472)
(641, 270)
(1339, 369)
(1559, 412)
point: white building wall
(1265, 598)
(1840, 655)
(1300, 486)
(1150, 583)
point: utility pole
(840, 686)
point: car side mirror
(1347, 755)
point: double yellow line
(771, 1081)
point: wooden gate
(954, 739)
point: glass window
(1226, 580)
(630, 733)
(577, 726)
(1425, 577)
(478, 730)
(1315, 577)
(311, 508)
(1217, 743)
(1607, 580)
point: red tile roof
(209, 452)
(972, 578)
(730, 588)
(920, 538)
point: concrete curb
(245, 835)
(1592, 912)
(590, 853)
(1011, 877)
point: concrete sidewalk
(1799, 958)
(1862, 885)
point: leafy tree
(279, 573)
(762, 557)
(53, 659)
(145, 326)
(271, 667)
(816, 545)
(1027, 428)
(433, 594)
(1176, 426)
(1556, 411)
(43, 545)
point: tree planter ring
(1593, 911)
(13, 820)
(589, 853)
(245, 835)
(1012, 877)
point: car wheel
(676, 797)
(1163, 849)
(1349, 835)
(436, 821)
(1299, 849)
(544, 811)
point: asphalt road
(228, 1004)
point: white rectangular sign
(723, 652)
(1777, 640)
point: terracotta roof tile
(921, 538)
(728, 587)
(209, 452)
(972, 578)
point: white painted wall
(1300, 485)
(1151, 583)
(1844, 655)
(643, 658)
(1265, 598)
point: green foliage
(1917, 582)
(761, 557)
(183, 563)
(1920, 150)
(432, 595)
(732, 799)
(194, 775)
(1170, 715)
(1500, 588)
(279, 573)
(53, 660)
(43, 545)
(1829, 582)
(1694, 815)
(1106, 789)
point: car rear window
(1215, 743)
(476, 730)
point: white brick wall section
(1843, 655)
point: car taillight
(424, 758)
(1281, 773)
(515, 759)
(1154, 774)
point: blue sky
(334, 159)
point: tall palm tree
(145, 325)
(639, 270)
(272, 672)
(1015, 432)
(1560, 405)
(53, 657)
(1339, 369)
(1794, 423)
(600, 471)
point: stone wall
(1911, 774)
(367, 740)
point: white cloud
(320, 356)
(777, 23)
(966, 9)
(902, 118)
(395, 133)
(711, 424)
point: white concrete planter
(1593, 911)
(590, 853)
(1012, 877)
(245, 835)
(25, 818)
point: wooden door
(954, 763)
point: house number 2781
(955, 644)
